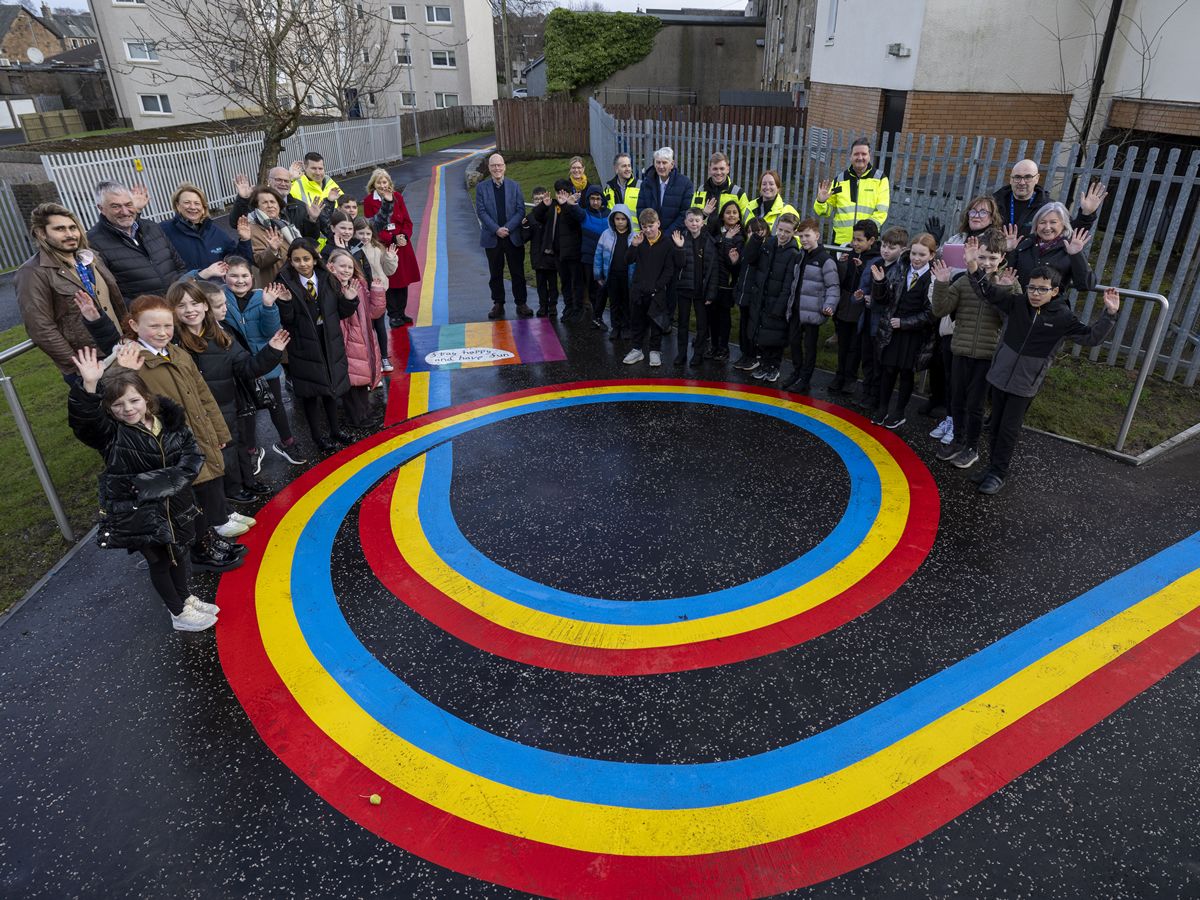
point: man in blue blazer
(500, 206)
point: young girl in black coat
(901, 296)
(223, 363)
(312, 315)
(150, 461)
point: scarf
(1044, 247)
(286, 229)
(579, 185)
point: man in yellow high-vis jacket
(861, 192)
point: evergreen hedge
(584, 48)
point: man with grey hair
(139, 255)
(667, 191)
(1022, 197)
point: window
(437, 15)
(831, 28)
(444, 101)
(361, 12)
(366, 56)
(129, 2)
(155, 104)
(399, 14)
(408, 98)
(141, 51)
(403, 58)
(442, 59)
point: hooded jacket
(257, 323)
(774, 287)
(607, 245)
(146, 487)
(854, 197)
(363, 361)
(617, 194)
(594, 224)
(818, 287)
(976, 322)
(222, 368)
(723, 194)
(1031, 338)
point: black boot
(208, 555)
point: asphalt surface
(145, 763)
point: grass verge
(441, 143)
(30, 542)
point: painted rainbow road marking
(528, 340)
(552, 824)
(416, 550)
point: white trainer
(191, 619)
(655, 358)
(942, 426)
(948, 437)
(232, 529)
(209, 609)
(243, 520)
(633, 356)
(258, 458)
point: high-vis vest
(731, 192)
(304, 188)
(632, 188)
(777, 209)
(853, 199)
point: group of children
(171, 402)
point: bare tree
(355, 66)
(514, 20)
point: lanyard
(85, 276)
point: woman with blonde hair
(384, 207)
(578, 175)
(197, 238)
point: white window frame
(406, 105)
(439, 99)
(431, 10)
(400, 57)
(451, 60)
(150, 47)
(831, 23)
(392, 12)
(366, 55)
(128, 2)
(159, 98)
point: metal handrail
(31, 445)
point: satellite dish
(35, 55)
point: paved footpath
(594, 630)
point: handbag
(253, 396)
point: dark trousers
(599, 295)
(1008, 413)
(719, 325)
(506, 252)
(617, 292)
(210, 497)
(803, 342)
(888, 378)
(547, 288)
(771, 356)
(572, 277)
(745, 343)
(397, 301)
(870, 363)
(381, 334)
(279, 415)
(642, 323)
(849, 352)
(968, 388)
(316, 408)
(169, 574)
(683, 316)
(238, 470)
(357, 403)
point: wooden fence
(541, 127)
(49, 125)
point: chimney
(47, 15)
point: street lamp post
(408, 56)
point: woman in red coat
(384, 206)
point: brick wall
(845, 106)
(28, 31)
(1163, 118)
(1033, 117)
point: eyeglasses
(979, 214)
(1038, 290)
(1023, 177)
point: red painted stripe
(782, 865)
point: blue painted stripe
(865, 500)
(649, 786)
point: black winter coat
(1075, 271)
(751, 253)
(317, 352)
(892, 298)
(223, 367)
(147, 266)
(1021, 213)
(562, 228)
(146, 486)
(703, 283)
(729, 274)
(775, 280)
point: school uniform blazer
(485, 208)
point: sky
(619, 5)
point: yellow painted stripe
(882, 539)
(596, 828)
(418, 394)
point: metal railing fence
(15, 245)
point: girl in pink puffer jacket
(363, 356)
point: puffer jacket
(594, 224)
(893, 299)
(818, 289)
(149, 265)
(751, 253)
(146, 487)
(729, 274)
(223, 367)
(1075, 271)
(363, 361)
(671, 204)
(257, 324)
(699, 282)
(180, 380)
(602, 262)
(855, 278)
(1031, 338)
(774, 287)
(563, 228)
(201, 246)
(976, 322)
(317, 352)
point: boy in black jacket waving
(657, 260)
(697, 285)
(1035, 325)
